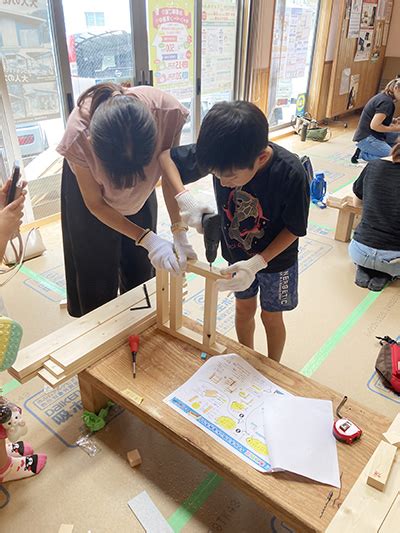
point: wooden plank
(162, 291)
(365, 508)
(194, 339)
(392, 435)
(49, 378)
(52, 367)
(32, 357)
(391, 522)
(381, 466)
(210, 314)
(203, 269)
(167, 363)
(176, 302)
(318, 62)
(94, 347)
(344, 225)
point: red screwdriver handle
(134, 343)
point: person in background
(377, 131)
(108, 203)
(263, 197)
(375, 248)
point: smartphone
(16, 174)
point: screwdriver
(134, 347)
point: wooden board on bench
(164, 363)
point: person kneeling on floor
(375, 248)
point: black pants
(99, 261)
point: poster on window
(355, 16)
(171, 46)
(354, 83)
(218, 44)
(27, 54)
(296, 35)
(368, 14)
(364, 45)
(388, 10)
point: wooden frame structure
(169, 289)
(346, 217)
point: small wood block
(391, 522)
(392, 435)
(132, 396)
(63, 304)
(134, 458)
(66, 528)
(381, 465)
(53, 368)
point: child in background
(263, 199)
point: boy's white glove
(192, 210)
(183, 248)
(243, 274)
(161, 252)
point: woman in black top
(375, 248)
(377, 131)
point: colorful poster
(296, 36)
(354, 83)
(364, 45)
(171, 46)
(27, 53)
(368, 14)
(355, 16)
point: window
(94, 18)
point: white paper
(368, 14)
(299, 435)
(345, 81)
(225, 399)
(385, 35)
(148, 514)
(380, 15)
(364, 45)
(355, 16)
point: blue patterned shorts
(278, 290)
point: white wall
(393, 45)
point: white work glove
(192, 210)
(161, 252)
(243, 274)
(183, 248)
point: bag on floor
(388, 363)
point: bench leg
(344, 225)
(92, 399)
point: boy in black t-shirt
(262, 196)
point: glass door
(99, 40)
(30, 76)
(292, 49)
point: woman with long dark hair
(108, 203)
(377, 131)
(375, 248)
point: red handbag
(388, 363)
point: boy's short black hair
(232, 136)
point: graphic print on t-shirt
(246, 218)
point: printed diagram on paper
(224, 398)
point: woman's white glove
(183, 249)
(161, 252)
(243, 274)
(192, 210)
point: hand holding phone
(16, 174)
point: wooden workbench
(164, 363)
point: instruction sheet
(225, 399)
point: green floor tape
(9, 386)
(319, 357)
(191, 505)
(42, 280)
